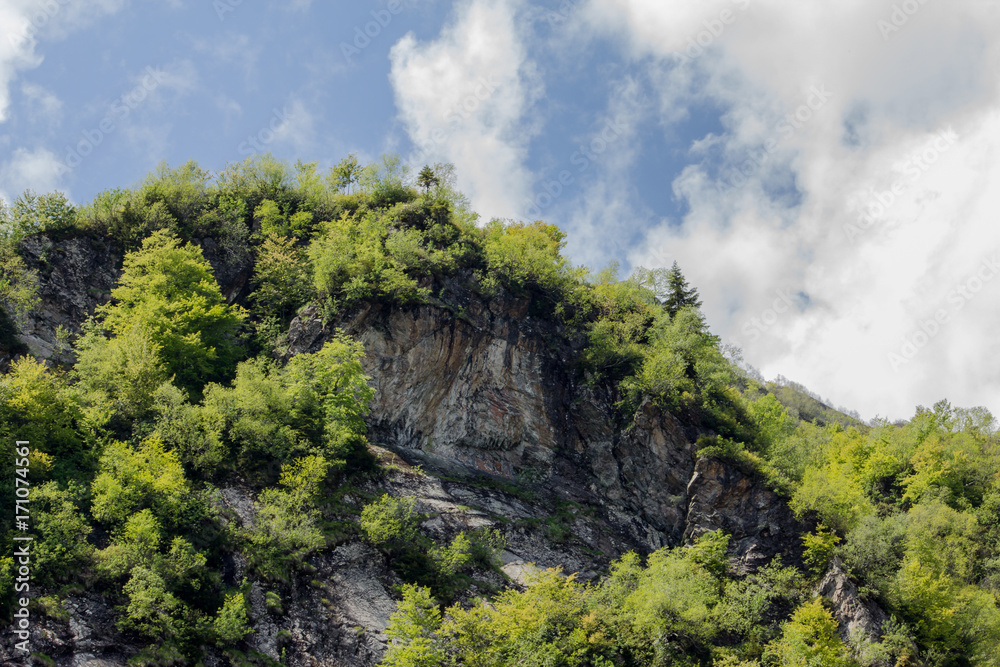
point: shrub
(810, 638)
(818, 549)
(390, 522)
(129, 480)
(232, 623)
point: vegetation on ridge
(175, 391)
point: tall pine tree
(679, 295)
(669, 287)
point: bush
(810, 638)
(61, 550)
(287, 525)
(35, 214)
(390, 522)
(232, 623)
(118, 377)
(818, 549)
(130, 480)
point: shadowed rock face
(759, 523)
(75, 276)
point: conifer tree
(679, 295)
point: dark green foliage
(670, 287)
(391, 524)
(669, 611)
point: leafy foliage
(168, 290)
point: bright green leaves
(287, 525)
(389, 521)
(33, 213)
(315, 404)
(168, 290)
(119, 376)
(135, 479)
(412, 628)
(37, 405)
(282, 278)
(664, 612)
(525, 255)
(810, 639)
(818, 549)
(351, 262)
(232, 623)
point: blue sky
(825, 173)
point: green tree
(427, 179)
(413, 630)
(18, 285)
(61, 549)
(384, 180)
(168, 289)
(345, 174)
(390, 521)
(232, 622)
(33, 213)
(133, 479)
(119, 376)
(287, 526)
(809, 639)
(670, 287)
(282, 277)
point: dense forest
(174, 389)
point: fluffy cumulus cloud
(38, 170)
(842, 227)
(465, 98)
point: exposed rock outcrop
(759, 522)
(75, 276)
(861, 621)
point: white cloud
(38, 170)
(464, 98)
(43, 106)
(297, 127)
(24, 22)
(778, 241)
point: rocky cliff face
(485, 398)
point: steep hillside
(281, 424)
